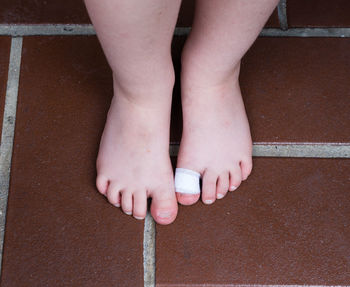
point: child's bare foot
(133, 161)
(216, 140)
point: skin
(133, 161)
(216, 139)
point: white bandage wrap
(187, 181)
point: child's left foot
(216, 139)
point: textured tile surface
(59, 230)
(74, 12)
(176, 113)
(273, 22)
(43, 12)
(186, 14)
(295, 90)
(318, 13)
(287, 224)
(5, 46)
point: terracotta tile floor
(318, 13)
(57, 223)
(74, 12)
(5, 44)
(300, 92)
(289, 224)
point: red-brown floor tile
(273, 21)
(43, 12)
(318, 13)
(60, 231)
(176, 114)
(5, 46)
(287, 224)
(74, 12)
(295, 90)
(186, 14)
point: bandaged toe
(187, 181)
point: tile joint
(310, 150)
(8, 128)
(149, 243)
(17, 30)
(243, 285)
(282, 14)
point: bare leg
(216, 140)
(133, 161)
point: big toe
(187, 199)
(187, 185)
(164, 208)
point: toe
(246, 167)
(235, 178)
(102, 184)
(126, 202)
(113, 195)
(187, 199)
(140, 205)
(209, 187)
(164, 207)
(222, 185)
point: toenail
(117, 205)
(208, 201)
(164, 214)
(138, 217)
(128, 212)
(220, 195)
(232, 188)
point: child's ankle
(151, 88)
(196, 68)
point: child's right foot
(133, 161)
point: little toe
(126, 202)
(209, 187)
(246, 167)
(235, 178)
(102, 184)
(222, 185)
(113, 195)
(164, 207)
(140, 205)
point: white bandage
(187, 181)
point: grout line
(8, 128)
(312, 150)
(87, 29)
(307, 32)
(47, 29)
(182, 31)
(149, 252)
(243, 285)
(282, 14)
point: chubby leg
(133, 161)
(216, 139)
